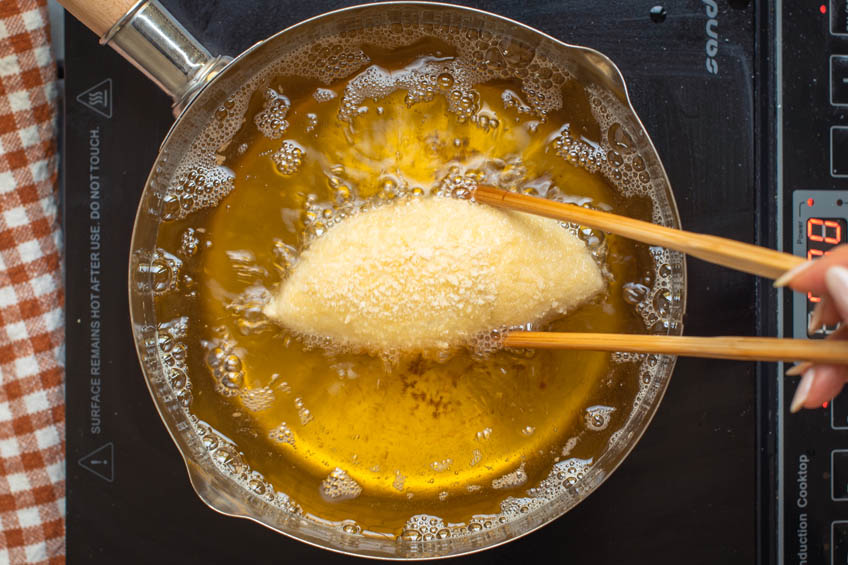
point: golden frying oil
(377, 441)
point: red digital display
(823, 234)
(828, 231)
(814, 254)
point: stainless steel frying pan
(200, 83)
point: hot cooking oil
(374, 440)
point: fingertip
(807, 276)
(798, 369)
(824, 314)
(836, 279)
(826, 382)
(812, 277)
(830, 315)
(816, 318)
(790, 275)
(799, 399)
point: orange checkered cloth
(32, 335)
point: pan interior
(404, 456)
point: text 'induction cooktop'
(706, 484)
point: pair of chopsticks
(727, 252)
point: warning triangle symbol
(98, 98)
(101, 462)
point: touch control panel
(839, 151)
(839, 80)
(816, 442)
(812, 164)
(820, 224)
(839, 17)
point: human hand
(826, 277)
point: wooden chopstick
(722, 251)
(739, 348)
(730, 253)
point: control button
(839, 17)
(839, 80)
(839, 542)
(839, 151)
(839, 412)
(839, 474)
(823, 331)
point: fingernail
(816, 318)
(798, 368)
(787, 277)
(836, 279)
(803, 390)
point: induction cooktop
(745, 102)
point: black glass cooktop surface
(687, 493)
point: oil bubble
(597, 418)
(634, 293)
(271, 120)
(339, 486)
(288, 158)
(511, 480)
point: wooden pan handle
(98, 15)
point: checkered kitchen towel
(32, 404)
